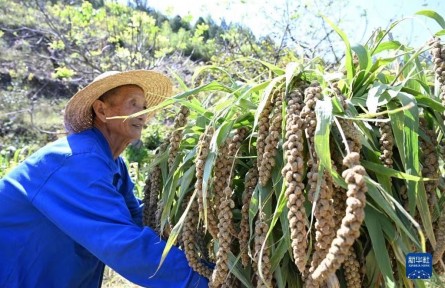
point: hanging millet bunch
(155, 190)
(350, 132)
(430, 162)
(311, 95)
(350, 227)
(273, 136)
(220, 171)
(200, 160)
(386, 143)
(146, 220)
(243, 235)
(234, 149)
(438, 53)
(352, 135)
(352, 270)
(263, 130)
(221, 270)
(440, 240)
(225, 228)
(231, 282)
(157, 222)
(351, 143)
(324, 214)
(351, 266)
(293, 172)
(190, 238)
(177, 133)
(152, 193)
(323, 208)
(262, 256)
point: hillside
(52, 49)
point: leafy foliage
(382, 81)
(226, 77)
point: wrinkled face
(123, 101)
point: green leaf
(409, 64)
(419, 94)
(221, 134)
(380, 64)
(292, 69)
(281, 204)
(237, 270)
(211, 157)
(377, 97)
(168, 191)
(265, 97)
(279, 277)
(178, 78)
(186, 180)
(378, 243)
(434, 15)
(363, 55)
(425, 100)
(183, 99)
(246, 104)
(373, 157)
(380, 169)
(254, 204)
(364, 76)
(416, 193)
(184, 187)
(389, 45)
(397, 128)
(255, 89)
(419, 75)
(277, 212)
(348, 53)
(384, 201)
(277, 70)
(201, 69)
(323, 111)
(382, 34)
(175, 232)
(280, 250)
(194, 105)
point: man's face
(125, 101)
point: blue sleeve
(80, 199)
(126, 188)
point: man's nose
(143, 117)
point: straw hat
(79, 111)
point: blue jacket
(68, 209)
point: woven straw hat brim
(79, 113)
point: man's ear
(99, 110)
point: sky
(258, 15)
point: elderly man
(69, 209)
